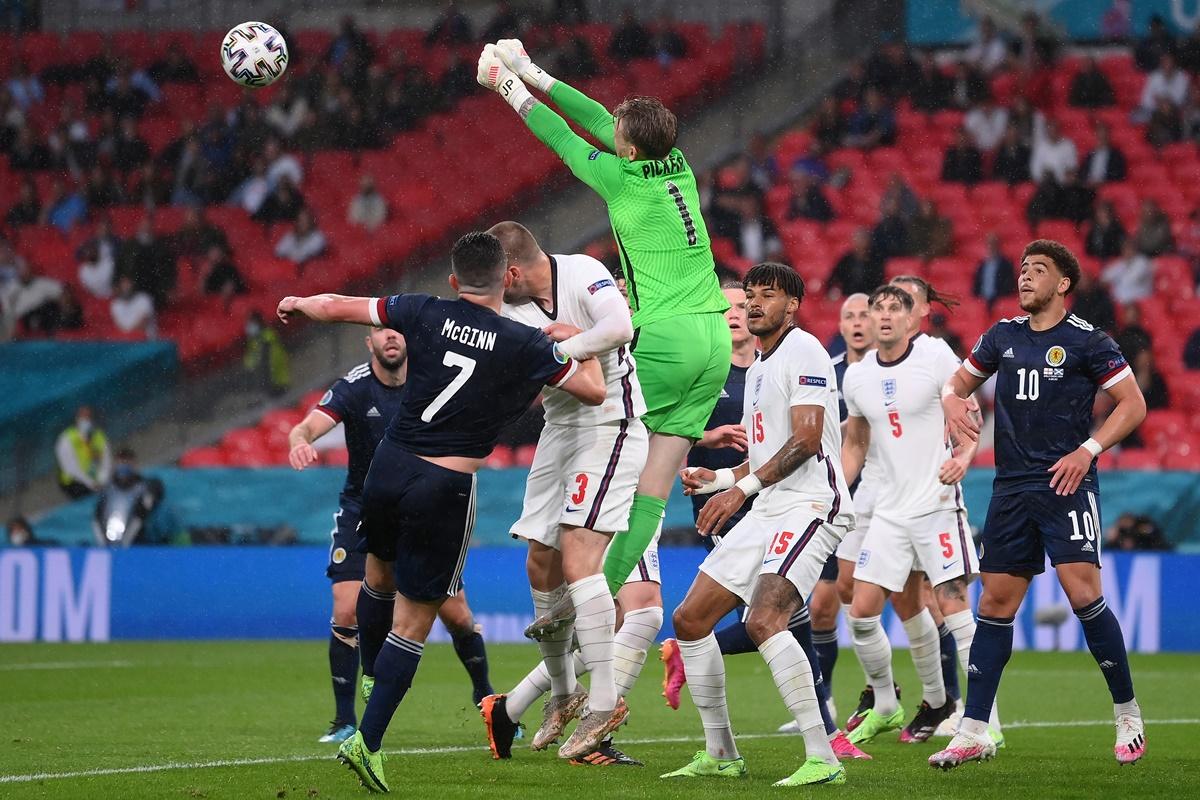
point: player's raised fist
(288, 308)
(513, 54)
(491, 72)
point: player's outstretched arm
(962, 424)
(586, 383)
(856, 439)
(577, 106)
(612, 327)
(599, 170)
(326, 308)
(301, 438)
(1070, 470)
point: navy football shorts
(1023, 528)
(419, 516)
(347, 553)
(829, 572)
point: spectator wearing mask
(1105, 234)
(28, 300)
(988, 52)
(1093, 304)
(84, 459)
(20, 534)
(1153, 236)
(808, 200)
(858, 270)
(1053, 155)
(27, 210)
(1011, 162)
(221, 277)
(266, 357)
(1105, 162)
(631, 40)
(132, 310)
(1167, 82)
(1129, 278)
(930, 235)
(303, 242)
(1090, 88)
(873, 124)
(995, 277)
(962, 163)
(986, 123)
(124, 506)
(367, 209)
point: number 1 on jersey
(466, 367)
(689, 226)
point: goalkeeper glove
(491, 73)
(513, 54)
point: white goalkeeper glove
(513, 54)
(493, 74)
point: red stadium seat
(204, 457)
(1139, 459)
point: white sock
(527, 692)
(631, 643)
(925, 646)
(706, 684)
(1131, 707)
(962, 625)
(556, 649)
(793, 675)
(595, 618)
(874, 652)
(975, 727)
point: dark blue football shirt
(1046, 382)
(470, 373)
(364, 405)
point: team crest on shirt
(758, 381)
(1055, 356)
(339, 555)
(889, 389)
(863, 557)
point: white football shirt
(581, 288)
(796, 372)
(901, 401)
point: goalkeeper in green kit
(681, 342)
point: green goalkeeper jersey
(654, 208)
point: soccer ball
(254, 54)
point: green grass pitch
(241, 719)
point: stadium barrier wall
(951, 21)
(42, 383)
(307, 501)
(88, 595)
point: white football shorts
(864, 506)
(938, 544)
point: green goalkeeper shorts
(682, 364)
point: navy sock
(1104, 639)
(473, 656)
(826, 645)
(343, 667)
(801, 629)
(374, 621)
(949, 661)
(394, 669)
(990, 651)
(733, 639)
